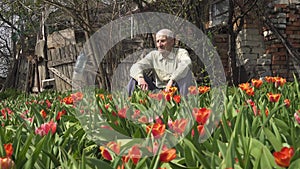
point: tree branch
(9, 23)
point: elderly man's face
(164, 44)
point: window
(218, 12)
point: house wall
(286, 18)
(260, 53)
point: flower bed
(254, 125)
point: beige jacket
(175, 66)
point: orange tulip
(287, 103)
(279, 81)
(178, 125)
(250, 91)
(244, 86)
(77, 96)
(68, 100)
(203, 89)
(102, 97)
(256, 83)
(273, 97)
(43, 113)
(193, 90)
(270, 79)
(157, 129)
(167, 155)
(172, 89)
(121, 167)
(284, 156)
(143, 119)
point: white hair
(166, 32)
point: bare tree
(238, 9)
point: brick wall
(259, 51)
(286, 18)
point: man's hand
(142, 83)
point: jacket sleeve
(138, 68)
(183, 65)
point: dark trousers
(182, 84)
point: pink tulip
(45, 128)
(297, 117)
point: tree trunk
(232, 46)
(232, 59)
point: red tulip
(201, 114)
(8, 149)
(157, 129)
(122, 112)
(59, 114)
(105, 153)
(155, 96)
(48, 104)
(267, 112)
(6, 163)
(143, 119)
(168, 96)
(254, 108)
(273, 97)
(284, 156)
(167, 155)
(177, 99)
(256, 82)
(201, 130)
(270, 79)
(279, 81)
(135, 154)
(5, 111)
(113, 146)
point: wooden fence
(60, 64)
